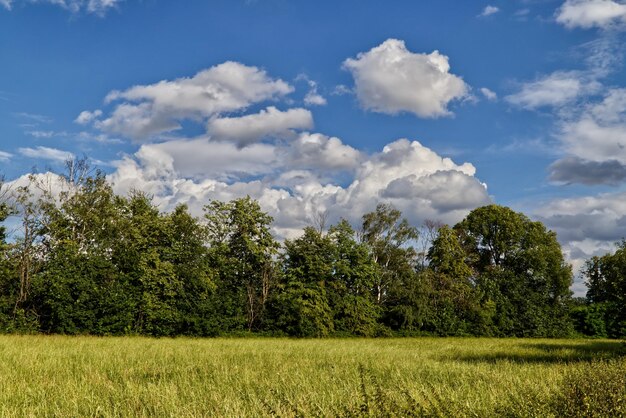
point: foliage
(87, 261)
(518, 266)
(242, 252)
(606, 280)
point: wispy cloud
(489, 94)
(5, 156)
(33, 117)
(45, 153)
(96, 7)
(488, 11)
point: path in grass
(132, 376)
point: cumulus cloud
(488, 11)
(391, 79)
(317, 151)
(556, 89)
(290, 182)
(149, 110)
(45, 153)
(270, 122)
(591, 13)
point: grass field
(132, 376)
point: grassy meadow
(134, 376)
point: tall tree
(389, 236)
(519, 266)
(453, 300)
(243, 251)
(354, 274)
(606, 280)
(303, 307)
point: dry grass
(132, 376)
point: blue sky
(435, 106)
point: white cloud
(320, 152)
(86, 116)
(5, 156)
(202, 158)
(585, 226)
(45, 153)
(599, 132)
(488, 11)
(556, 89)
(391, 79)
(149, 110)
(341, 90)
(270, 122)
(591, 13)
(412, 177)
(313, 98)
(489, 94)
(6, 4)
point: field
(132, 376)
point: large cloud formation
(405, 173)
(273, 156)
(391, 79)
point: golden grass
(133, 376)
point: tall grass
(132, 376)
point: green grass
(132, 376)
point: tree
(354, 274)
(453, 304)
(302, 308)
(518, 266)
(388, 237)
(606, 281)
(242, 251)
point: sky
(436, 106)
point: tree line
(88, 261)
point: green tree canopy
(518, 265)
